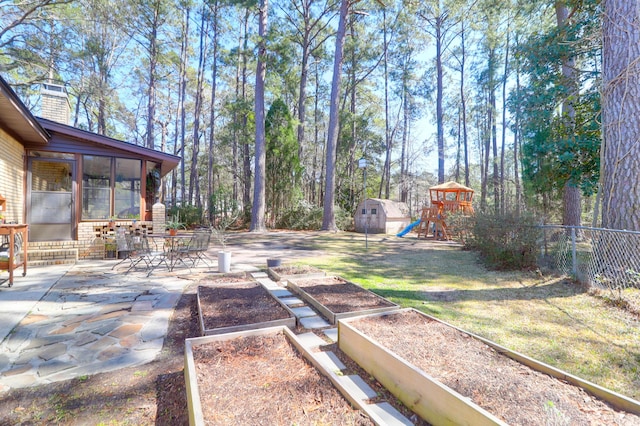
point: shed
(381, 216)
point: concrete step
(385, 414)
(52, 256)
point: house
(381, 216)
(66, 183)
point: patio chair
(135, 249)
(175, 249)
(198, 246)
(122, 249)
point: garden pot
(224, 261)
(173, 232)
(273, 263)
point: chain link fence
(604, 259)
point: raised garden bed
(295, 272)
(285, 385)
(449, 376)
(237, 306)
(337, 298)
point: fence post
(574, 260)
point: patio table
(174, 249)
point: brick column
(159, 218)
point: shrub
(505, 241)
(305, 216)
(189, 215)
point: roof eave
(17, 119)
(168, 162)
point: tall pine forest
(272, 104)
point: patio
(65, 321)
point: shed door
(51, 200)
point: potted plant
(220, 233)
(112, 222)
(173, 225)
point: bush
(190, 216)
(505, 241)
(306, 216)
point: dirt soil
(264, 380)
(509, 390)
(340, 296)
(280, 383)
(155, 393)
(249, 302)
(292, 271)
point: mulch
(509, 390)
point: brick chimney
(55, 103)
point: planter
(284, 273)
(251, 299)
(173, 232)
(438, 403)
(273, 263)
(224, 261)
(206, 394)
(336, 298)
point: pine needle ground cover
(551, 319)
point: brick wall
(89, 245)
(11, 176)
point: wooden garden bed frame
(290, 321)
(333, 317)
(436, 403)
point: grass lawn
(548, 318)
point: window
(153, 184)
(364, 211)
(96, 187)
(127, 189)
(374, 211)
(98, 184)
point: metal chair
(122, 249)
(198, 246)
(136, 250)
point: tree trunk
(246, 149)
(153, 61)
(505, 75)
(439, 96)
(194, 181)
(463, 101)
(328, 216)
(621, 115)
(404, 162)
(258, 208)
(183, 113)
(386, 172)
(212, 116)
(571, 195)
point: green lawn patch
(551, 319)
